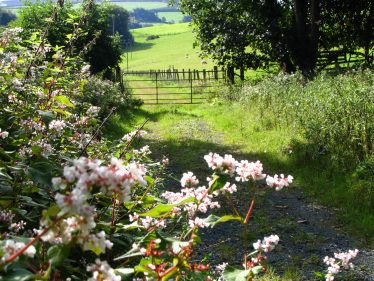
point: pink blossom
(189, 180)
(339, 260)
(249, 170)
(279, 182)
(57, 125)
(197, 222)
(267, 245)
(224, 165)
(3, 134)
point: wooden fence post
(191, 89)
(156, 89)
(242, 73)
(215, 69)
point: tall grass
(335, 113)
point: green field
(171, 16)
(174, 48)
(145, 5)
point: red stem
(113, 217)
(249, 211)
(20, 252)
(167, 272)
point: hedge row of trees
(254, 33)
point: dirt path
(308, 232)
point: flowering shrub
(66, 215)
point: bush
(107, 95)
(334, 113)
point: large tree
(118, 22)
(104, 50)
(253, 33)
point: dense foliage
(103, 50)
(333, 113)
(291, 33)
(143, 15)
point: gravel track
(308, 231)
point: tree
(104, 50)
(6, 17)
(118, 22)
(253, 33)
(143, 15)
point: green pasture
(171, 16)
(145, 5)
(174, 48)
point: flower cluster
(279, 181)
(189, 180)
(93, 111)
(76, 214)
(10, 247)
(3, 134)
(249, 170)
(102, 271)
(340, 260)
(224, 165)
(267, 245)
(135, 134)
(57, 125)
(245, 170)
(201, 194)
(113, 179)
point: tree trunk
(314, 32)
(300, 9)
(306, 47)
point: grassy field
(174, 48)
(175, 17)
(145, 5)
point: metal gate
(174, 86)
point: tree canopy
(102, 50)
(253, 33)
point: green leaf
(52, 211)
(41, 171)
(17, 274)
(58, 254)
(64, 100)
(234, 274)
(212, 220)
(124, 271)
(257, 269)
(129, 254)
(219, 182)
(319, 274)
(162, 209)
(46, 115)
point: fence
(173, 86)
(341, 58)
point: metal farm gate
(174, 86)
